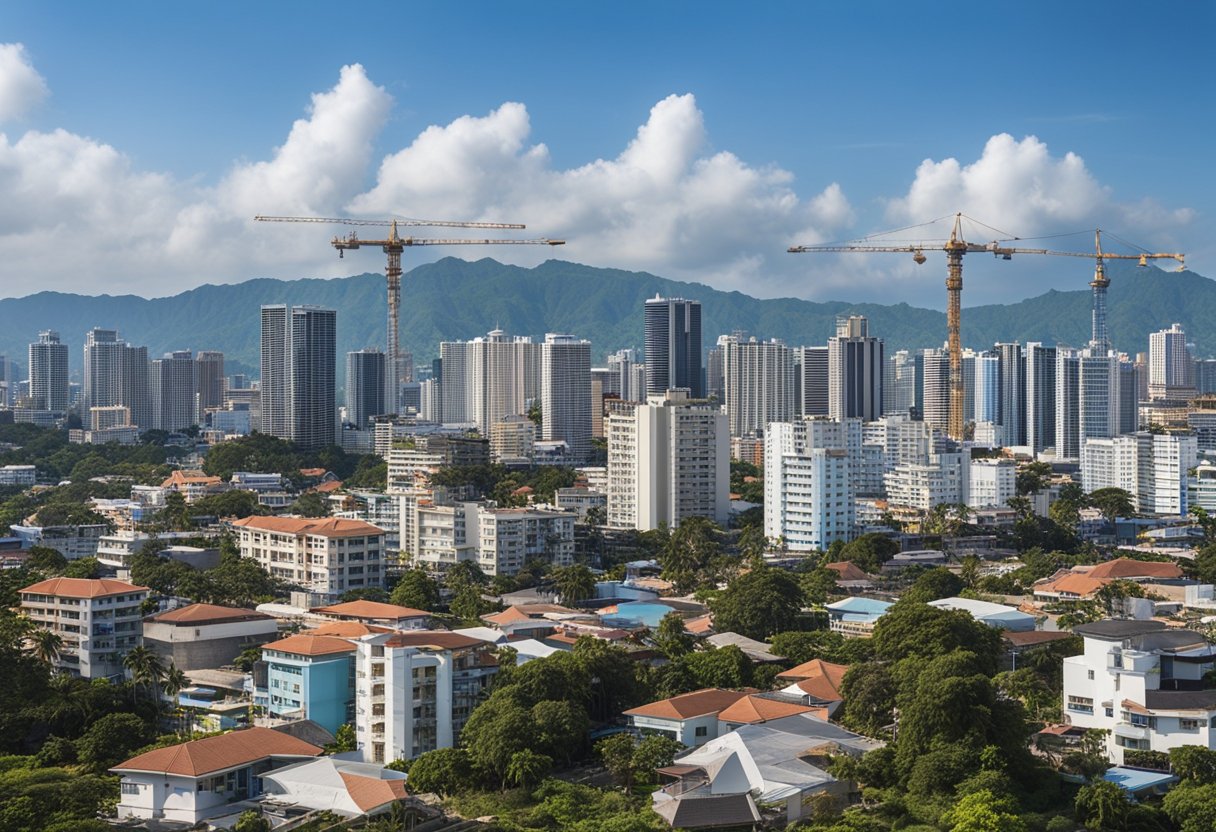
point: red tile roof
(751, 710)
(83, 587)
(1130, 568)
(434, 639)
(688, 705)
(196, 614)
(1034, 637)
(370, 793)
(847, 571)
(327, 487)
(1074, 583)
(179, 477)
(814, 669)
(310, 645)
(212, 754)
(370, 609)
(319, 526)
(346, 629)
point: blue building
(856, 616)
(310, 677)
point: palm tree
(573, 583)
(175, 682)
(46, 646)
(145, 667)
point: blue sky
(768, 124)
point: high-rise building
(1171, 374)
(855, 371)
(1129, 401)
(313, 359)
(714, 379)
(209, 382)
(1013, 393)
(987, 388)
(759, 383)
(673, 345)
(1153, 468)
(1068, 403)
(899, 384)
(136, 392)
(565, 398)
(297, 396)
(1205, 376)
(622, 364)
(1098, 401)
(1040, 396)
(49, 373)
(173, 388)
(935, 388)
(808, 490)
(668, 460)
(489, 378)
(811, 381)
(103, 362)
(364, 387)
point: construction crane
(955, 248)
(393, 246)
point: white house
(195, 780)
(1143, 683)
(690, 718)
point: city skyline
(713, 185)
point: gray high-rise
(811, 381)
(173, 389)
(1040, 396)
(855, 371)
(298, 362)
(103, 363)
(565, 393)
(364, 387)
(49, 373)
(209, 382)
(673, 346)
(1012, 409)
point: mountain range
(456, 299)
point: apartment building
(99, 621)
(1153, 468)
(325, 555)
(499, 540)
(808, 491)
(414, 691)
(1143, 683)
(309, 677)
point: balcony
(1135, 732)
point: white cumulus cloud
(21, 87)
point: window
(1090, 673)
(1188, 725)
(1081, 704)
(129, 788)
(702, 731)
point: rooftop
(688, 705)
(752, 710)
(370, 609)
(310, 645)
(1118, 629)
(219, 753)
(319, 527)
(432, 639)
(198, 614)
(83, 587)
(1129, 568)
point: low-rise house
(816, 682)
(690, 718)
(415, 690)
(783, 762)
(1017, 643)
(193, 485)
(1082, 582)
(376, 614)
(347, 788)
(1144, 683)
(309, 677)
(856, 616)
(1000, 616)
(756, 709)
(73, 542)
(202, 636)
(758, 651)
(98, 621)
(850, 576)
(196, 780)
(530, 620)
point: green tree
(467, 604)
(690, 551)
(527, 768)
(671, 638)
(722, 667)
(573, 583)
(982, 811)
(819, 585)
(1191, 806)
(561, 728)
(759, 603)
(146, 670)
(654, 752)
(344, 740)
(870, 551)
(932, 585)
(909, 629)
(869, 698)
(1102, 805)
(616, 752)
(496, 730)
(443, 771)
(45, 646)
(110, 740)
(1194, 763)
(1113, 503)
(309, 504)
(416, 589)
(251, 820)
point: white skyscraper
(1153, 468)
(808, 490)
(566, 393)
(49, 373)
(173, 387)
(759, 382)
(987, 387)
(668, 460)
(899, 384)
(1171, 373)
(103, 363)
(935, 384)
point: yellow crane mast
(955, 247)
(393, 246)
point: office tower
(173, 389)
(136, 386)
(609, 380)
(759, 383)
(238, 381)
(935, 388)
(499, 377)
(673, 346)
(855, 371)
(9, 381)
(713, 374)
(987, 388)
(297, 396)
(456, 406)
(103, 360)
(811, 381)
(1205, 376)
(1068, 404)
(209, 382)
(668, 460)
(1040, 396)
(364, 387)
(808, 489)
(565, 397)
(622, 364)
(1170, 374)
(899, 385)
(1129, 401)
(275, 384)
(968, 365)
(1098, 402)
(313, 359)
(1013, 393)
(48, 373)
